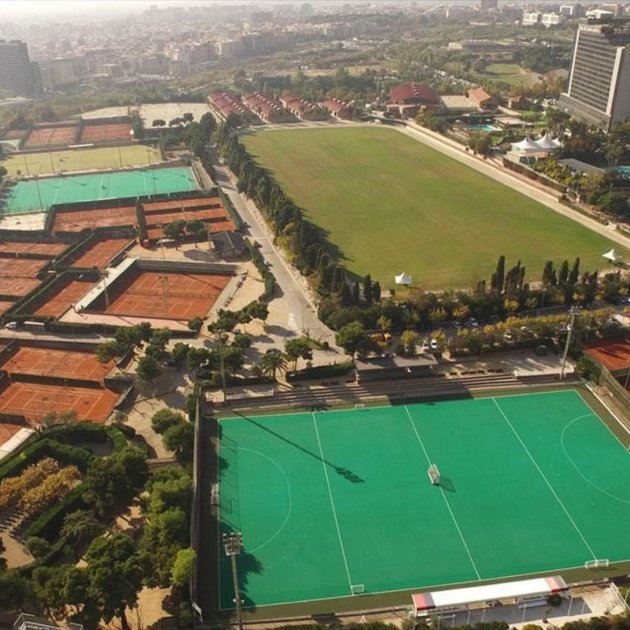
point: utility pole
(573, 311)
(222, 362)
(233, 543)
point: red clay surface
(222, 226)
(157, 213)
(35, 401)
(5, 305)
(14, 134)
(40, 249)
(106, 132)
(79, 220)
(59, 363)
(46, 136)
(7, 431)
(100, 253)
(180, 296)
(613, 355)
(17, 287)
(20, 267)
(64, 296)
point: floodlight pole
(573, 311)
(233, 544)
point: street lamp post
(573, 312)
(233, 544)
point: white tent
(403, 278)
(611, 255)
(526, 144)
(547, 143)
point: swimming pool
(623, 171)
(487, 128)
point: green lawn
(510, 73)
(533, 483)
(392, 204)
(50, 162)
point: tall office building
(599, 83)
(16, 69)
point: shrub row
(58, 442)
(321, 371)
(64, 454)
(49, 522)
(268, 278)
(229, 206)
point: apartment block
(599, 83)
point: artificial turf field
(38, 195)
(51, 162)
(531, 483)
(377, 191)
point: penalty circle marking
(289, 497)
(577, 468)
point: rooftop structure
(407, 99)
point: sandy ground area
(16, 554)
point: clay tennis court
(79, 220)
(202, 214)
(53, 135)
(59, 363)
(180, 296)
(7, 431)
(35, 401)
(17, 287)
(105, 132)
(156, 233)
(20, 267)
(62, 297)
(613, 355)
(18, 248)
(100, 253)
(5, 305)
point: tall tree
(498, 277)
(563, 274)
(272, 362)
(298, 348)
(114, 575)
(574, 275)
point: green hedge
(48, 523)
(229, 206)
(322, 371)
(268, 278)
(63, 453)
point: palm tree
(273, 361)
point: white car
(434, 344)
(11, 326)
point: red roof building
(303, 109)
(268, 109)
(407, 99)
(225, 104)
(482, 99)
(338, 108)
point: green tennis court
(338, 502)
(39, 194)
(93, 158)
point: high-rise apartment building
(16, 69)
(599, 83)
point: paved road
(295, 299)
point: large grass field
(392, 204)
(50, 162)
(329, 501)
